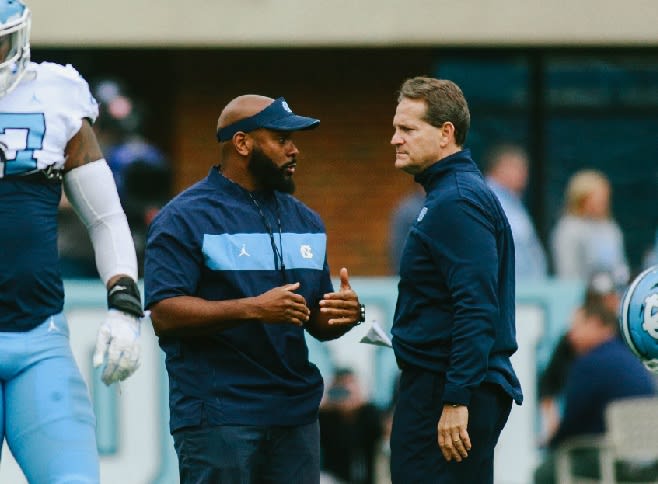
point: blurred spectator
(120, 116)
(507, 176)
(604, 370)
(141, 172)
(586, 238)
(404, 216)
(601, 289)
(144, 182)
(350, 431)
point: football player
(47, 144)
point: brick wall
(345, 170)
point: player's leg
(50, 426)
(293, 455)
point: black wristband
(362, 314)
(124, 295)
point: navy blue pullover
(606, 373)
(212, 242)
(455, 307)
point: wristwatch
(362, 314)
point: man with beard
(235, 271)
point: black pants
(415, 453)
(249, 455)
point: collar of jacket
(460, 161)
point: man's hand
(342, 307)
(118, 339)
(282, 305)
(454, 440)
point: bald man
(235, 273)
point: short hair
(497, 153)
(597, 309)
(580, 186)
(444, 100)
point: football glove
(117, 343)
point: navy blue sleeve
(172, 261)
(462, 241)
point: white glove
(118, 337)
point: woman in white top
(586, 238)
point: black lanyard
(278, 256)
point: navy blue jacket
(455, 307)
(212, 242)
(608, 372)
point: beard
(268, 175)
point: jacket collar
(460, 161)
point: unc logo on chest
(306, 251)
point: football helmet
(638, 317)
(15, 19)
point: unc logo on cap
(285, 106)
(639, 317)
(650, 323)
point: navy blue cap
(277, 116)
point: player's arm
(83, 148)
(89, 186)
(193, 316)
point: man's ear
(242, 143)
(447, 133)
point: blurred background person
(404, 215)
(350, 430)
(507, 176)
(604, 370)
(586, 237)
(140, 170)
(602, 288)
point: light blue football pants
(45, 412)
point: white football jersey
(40, 116)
